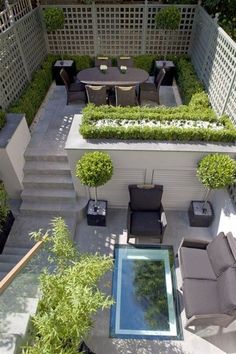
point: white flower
(103, 67)
(123, 68)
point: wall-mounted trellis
(22, 49)
(119, 29)
(213, 55)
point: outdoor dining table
(113, 76)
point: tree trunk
(204, 207)
(96, 196)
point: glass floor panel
(144, 290)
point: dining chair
(102, 61)
(96, 94)
(125, 61)
(75, 90)
(150, 90)
(126, 96)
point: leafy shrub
(70, 295)
(53, 18)
(168, 18)
(199, 99)
(145, 62)
(91, 114)
(4, 206)
(2, 119)
(217, 171)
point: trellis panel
(213, 55)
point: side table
(170, 71)
(68, 65)
(96, 216)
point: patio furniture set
(123, 85)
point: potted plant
(6, 217)
(215, 171)
(94, 169)
(168, 20)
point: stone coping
(13, 121)
(75, 141)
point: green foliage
(2, 119)
(199, 99)
(217, 171)
(70, 295)
(91, 114)
(53, 18)
(168, 18)
(94, 169)
(4, 206)
(145, 62)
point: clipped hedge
(2, 119)
(92, 114)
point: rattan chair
(125, 61)
(149, 91)
(146, 216)
(102, 61)
(96, 95)
(126, 96)
(75, 90)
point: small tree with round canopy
(94, 169)
(216, 171)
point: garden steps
(9, 343)
(6, 266)
(12, 258)
(36, 181)
(48, 194)
(15, 250)
(52, 208)
(47, 167)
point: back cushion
(226, 287)
(220, 254)
(145, 197)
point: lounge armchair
(125, 61)
(96, 94)
(75, 90)
(102, 61)
(126, 96)
(209, 280)
(146, 216)
(149, 91)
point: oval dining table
(112, 77)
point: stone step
(35, 155)
(12, 258)
(30, 194)
(15, 250)
(48, 181)
(2, 275)
(6, 266)
(47, 167)
(18, 304)
(10, 343)
(14, 323)
(48, 208)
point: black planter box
(170, 71)
(97, 217)
(196, 216)
(68, 65)
(6, 228)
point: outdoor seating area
(117, 179)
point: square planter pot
(96, 216)
(198, 217)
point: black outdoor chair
(149, 91)
(75, 90)
(126, 96)
(102, 61)
(96, 94)
(146, 216)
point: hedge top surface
(217, 171)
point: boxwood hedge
(2, 119)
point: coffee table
(144, 290)
(112, 77)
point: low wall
(14, 138)
(171, 164)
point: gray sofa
(209, 280)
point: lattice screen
(22, 49)
(178, 43)
(118, 30)
(77, 35)
(214, 57)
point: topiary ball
(168, 18)
(94, 169)
(53, 18)
(217, 171)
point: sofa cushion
(145, 197)
(200, 297)
(220, 254)
(145, 223)
(195, 264)
(226, 286)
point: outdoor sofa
(209, 280)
